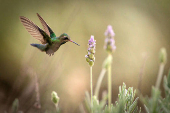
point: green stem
(91, 86)
(57, 108)
(160, 73)
(109, 83)
(101, 76)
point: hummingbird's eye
(66, 38)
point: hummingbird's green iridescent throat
(50, 43)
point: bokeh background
(141, 28)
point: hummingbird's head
(65, 38)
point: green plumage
(52, 35)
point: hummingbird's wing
(47, 29)
(35, 31)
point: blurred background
(141, 28)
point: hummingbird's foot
(50, 52)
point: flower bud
(163, 56)
(91, 63)
(54, 97)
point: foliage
(126, 103)
(157, 104)
(165, 102)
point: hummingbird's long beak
(74, 42)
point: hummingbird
(50, 43)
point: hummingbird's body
(49, 48)
(50, 43)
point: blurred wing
(47, 29)
(34, 30)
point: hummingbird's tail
(41, 47)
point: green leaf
(15, 106)
(87, 97)
(147, 110)
(103, 101)
(168, 80)
(96, 107)
(87, 101)
(133, 106)
(154, 100)
(164, 108)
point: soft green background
(141, 28)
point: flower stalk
(160, 74)
(91, 87)
(99, 81)
(163, 60)
(107, 62)
(109, 83)
(110, 48)
(90, 59)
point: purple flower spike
(109, 31)
(90, 51)
(109, 41)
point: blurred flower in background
(109, 40)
